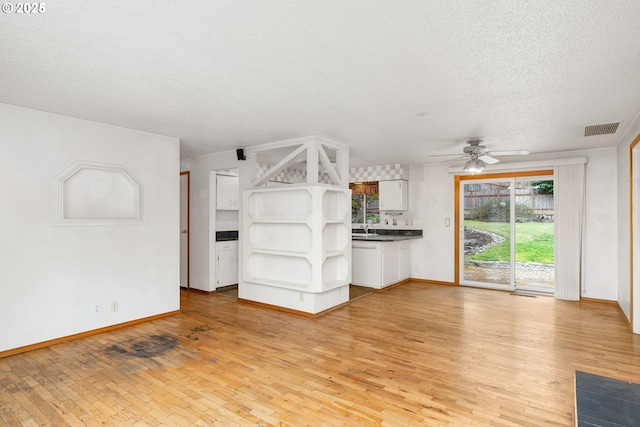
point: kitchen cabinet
(226, 263)
(390, 265)
(366, 269)
(380, 264)
(227, 192)
(393, 195)
(404, 263)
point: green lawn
(534, 241)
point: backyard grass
(534, 241)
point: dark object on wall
(240, 154)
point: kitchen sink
(362, 236)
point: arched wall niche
(88, 193)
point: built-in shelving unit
(298, 238)
(297, 248)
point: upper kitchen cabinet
(394, 195)
(227, 192)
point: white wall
(601, 224)
(623, 231)
(52, 276)
(432, 201)
(201, 233)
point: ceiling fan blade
(443, 155)
(488, 159)
(444, 162)
(508, 153)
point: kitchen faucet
(365, 227)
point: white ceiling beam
(328, 166)
(279, 167)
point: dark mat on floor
(606, 402)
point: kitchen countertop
(386, 235)
(361, 237)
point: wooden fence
(476, 195)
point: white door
(184, 229)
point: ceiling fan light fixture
(474, 166)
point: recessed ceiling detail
(606, 129)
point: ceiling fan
(479, 156)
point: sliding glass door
(487, 233)
(506, 238)
(534, 231)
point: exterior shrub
(498, 211)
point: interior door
(184, 228)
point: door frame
(456, 219)
(634, 238)
(188, 174)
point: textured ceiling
(395, 80)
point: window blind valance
(523, 166)
(364, 187)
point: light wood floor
(415, 354)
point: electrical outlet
(115, 306)
(301, 297)
(97, 308)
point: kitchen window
(364, 203)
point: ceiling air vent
(605, 129)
